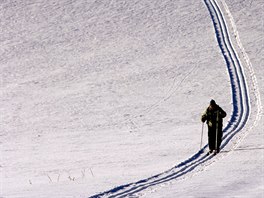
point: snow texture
(103, 98)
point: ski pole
(202, 136)
(216, 132)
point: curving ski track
(239, 118)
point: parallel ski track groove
(239, 118)
(241, 107)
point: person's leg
(211, 138)
(219, 138)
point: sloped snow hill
(98, 94)
(246, 116)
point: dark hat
(212, 102)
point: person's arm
(222, 113)
(204, 116)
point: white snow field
(104, 98)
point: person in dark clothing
(213, 116)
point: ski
(214, 152)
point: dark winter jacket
(214, 115)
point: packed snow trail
(241, 107)
(239, 117)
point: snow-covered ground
(105, 97)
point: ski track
(240, 115)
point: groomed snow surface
(103, 98)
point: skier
(214, 115)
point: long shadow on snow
(185, 167)
(229, 131)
